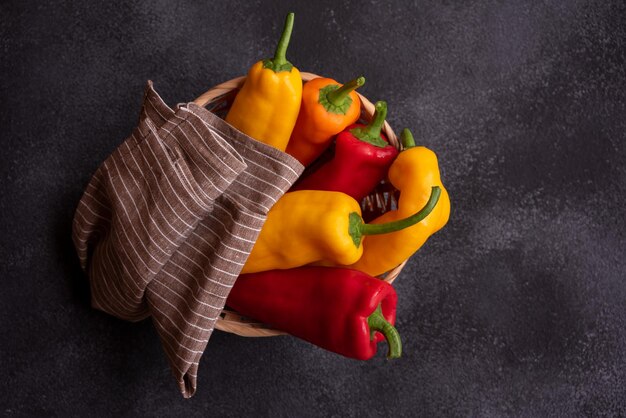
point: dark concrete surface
(516, 308)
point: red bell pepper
(362, 157)
(341, 310)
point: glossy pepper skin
(414, 172)
(327, 108)
(266, 107)
(362, 158)
(341, 310)
(304, 227)
(313, 226)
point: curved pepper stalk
(358, 228)
(377, 322)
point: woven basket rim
(230, 321)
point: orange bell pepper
(327, 108)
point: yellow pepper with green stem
(414, 172)
(323, 227)
(266, 108)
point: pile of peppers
(316, 268)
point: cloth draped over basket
(168, 220)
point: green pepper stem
(407, 139)
(377, 322)
(380, 114)
(280, 56)
(279, 61)
(357, 228)
(371, 132)
(397, 225)
(338, 96)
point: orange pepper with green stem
(327, 108)
(414, 172)
(267, 106)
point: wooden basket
(218, 100)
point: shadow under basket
(384, 197)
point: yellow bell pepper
(314, 226)
(266, 108)
(414, 171)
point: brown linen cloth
(168, 220)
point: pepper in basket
(341, 310)
(268, 104)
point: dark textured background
(516, 308)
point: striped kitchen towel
(168, 220)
